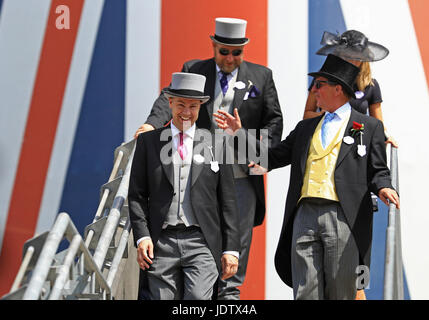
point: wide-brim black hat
(340, 71)
(187, 85)
(352, 45)
(230, 32)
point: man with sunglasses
(234, 83)
(337, 160)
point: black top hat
(340, 71)
(352, 45)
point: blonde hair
(364, 77)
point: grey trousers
(246, 202)
(324, 252)
(183, 267)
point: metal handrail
(393, 269)
(90, 280)
(63, 227)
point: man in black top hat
(336, 160)
(233, 83)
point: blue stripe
(1, 4)
(101, 122)
(324, 15)
(327, 15)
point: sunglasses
(319, 83)
(235, 52)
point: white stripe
(405, 111)
(287, 57)
(69, 117)
(22, 29)
(142, 62)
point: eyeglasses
(235, 52)
(318, 83)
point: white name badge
(361, 150)
(348, 140)
(214, 165)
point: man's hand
(389, 194)
(256, 169)
(143, 128)
(228, 122)
(229, 266)
(145, 253)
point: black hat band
(230, 40)
(186, 92)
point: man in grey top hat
(234, 83)
(182, 203)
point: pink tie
(182, 147)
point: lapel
(306, 137)
(196, 168)
(209, 71)
(239, 93)
(167, 165)
(346, 148)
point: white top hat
(187, 85)
(230, 31)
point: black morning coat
(260, 110)
(355, 178)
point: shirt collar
(189, 133)
(343, 112)
(232, 74)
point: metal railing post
(46, 256)
(113, 218)
(393, 270)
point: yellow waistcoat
(319, 170)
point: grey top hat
(352, 45)
(187, 85)
(230, 32)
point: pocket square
(254, 92)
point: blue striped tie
(224, 82)
(325, 127)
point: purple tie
(182, 147)
(224, 82)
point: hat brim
(231, 42)
(373, 52)
(334, 78)
(202, 98)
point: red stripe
(38, 140)
(185, 29)
(419, 10)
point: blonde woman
(354, 47)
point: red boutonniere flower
(357, 127)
